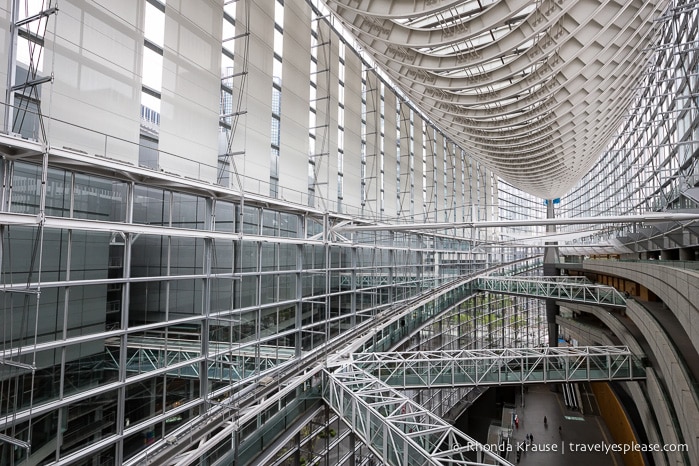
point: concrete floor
(582, 430)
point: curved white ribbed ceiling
(534, 90)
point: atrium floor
(577, 431)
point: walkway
(433, 369)
(571, 289)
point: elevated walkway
(399, 431)
(223, 362)
(396, 429)
(436, 369)
(571, 289)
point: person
(531, 438)
(560, 430)
(545, 421)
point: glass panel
(246, 259)
(90, 420)
(287, 287)
(99, 198)
(58, 193)
(152, 69)
(148, 154)
(225, 216)
(185, 298)
(188, 211)
(268, 288)
(289, 225)
(147, 302)
(222, 257)
(18, 382)
(287, 256)
(268, 256)
(155, 22)
(149, 257)
(222, 291)
(89, 255)
(87, 307)
(19, 254)
(187, 256)
(247, 291)
(270, 223)
(26, 188)
(251, 220)
(87, 366)
(151, 205)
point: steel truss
(563, 288)
(398, 430)
(437, 369)
(223, 364)
(364, 393)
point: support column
(551, 257)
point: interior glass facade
(204, 204)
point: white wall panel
(494, 196)
(353, 139)
(406, 191)
(439, 180)
(432, 199)
(459, 187)
(417, 163)
(191, 88)
(389, 165)
(253, 135)
(451, 182)
(96, 58)
(373, 108)
(296, 63)
(326, 136)
(5, 17)
(469, 187)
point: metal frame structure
(224, 362)
(434, 369)
(651, 164)
(81, 219)
(362, 388)
(398, 430)
(572, 289)
(244, 409)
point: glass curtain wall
(181, 300)
(652, 162)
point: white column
(326, 137)
(5, 42)
(353, 139)
(432, 199)
(373, 109)
(389, 165)
(293, 151)
(420, 208)
(97, 59)
(253, 136)
(191, 93)
(406, 191)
